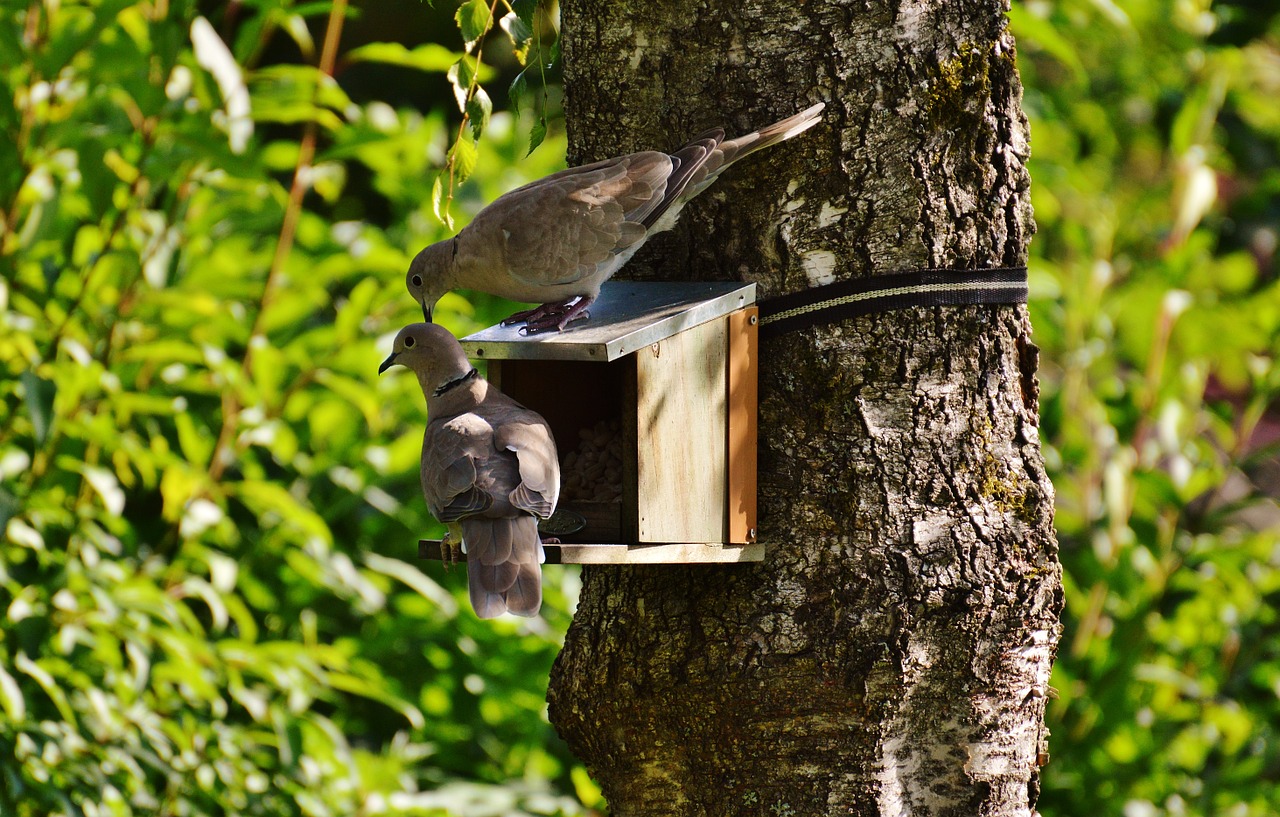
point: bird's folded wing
(449, 475)
(566, 227)
(688, 168)
(525, 434)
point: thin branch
(222, 450)
(452, 162)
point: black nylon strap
(879, 293)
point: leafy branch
(222, 454)
(475, 19)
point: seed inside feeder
(593, 470)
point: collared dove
(556, 240)
(489, 471)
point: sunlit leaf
(190, 631)
(479, 108)
(464, 156)
(431, 57)
(359, 686)
(473, 20)
(439, 202)
(212, 55)
(274, 505)
(412, 577)
(520, 32)
(461, 75)
(11, 699)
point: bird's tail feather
(735, 149)
(525, 596)
(502, 565)
(705, 158)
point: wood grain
(681, 432)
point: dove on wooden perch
(489, 471)
(555, 241)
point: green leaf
(103, 482)
(273, 503)
(473, 21)
(352, 392)
(526, 10)
(463, 155)
(38, 395)
(479, 108)
(9, 507)
(431, 57)
(521, 34)
(517, 90)
(11, 699)
(38, 672)
(414, 578)
(587, 789)
(171, 350)
(356, 685)
(537, 133)
(554, 56)
(297, 93)
(295, 25)
(460, 75)
(195, 442)
(438, 204)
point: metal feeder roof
(629, 315)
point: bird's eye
(408, 343)
(417, 280)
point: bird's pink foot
(538, 313)
(559, 318)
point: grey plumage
(556, 240)
(489, 471)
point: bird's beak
(388, 363)
(426, 312)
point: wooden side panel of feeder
(744, 343)
(682, 428)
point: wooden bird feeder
(671, 368)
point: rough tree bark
(891, 655)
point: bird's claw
(550, 316)
(537, 315)
(450, 551)
(554, 320)
(555, 323)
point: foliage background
(1156, 136)
(210, 591)
(210, 601)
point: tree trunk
(891, 655)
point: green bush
(1155, 138)
(209, 585)
(210, 594)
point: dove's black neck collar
(449, 385)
